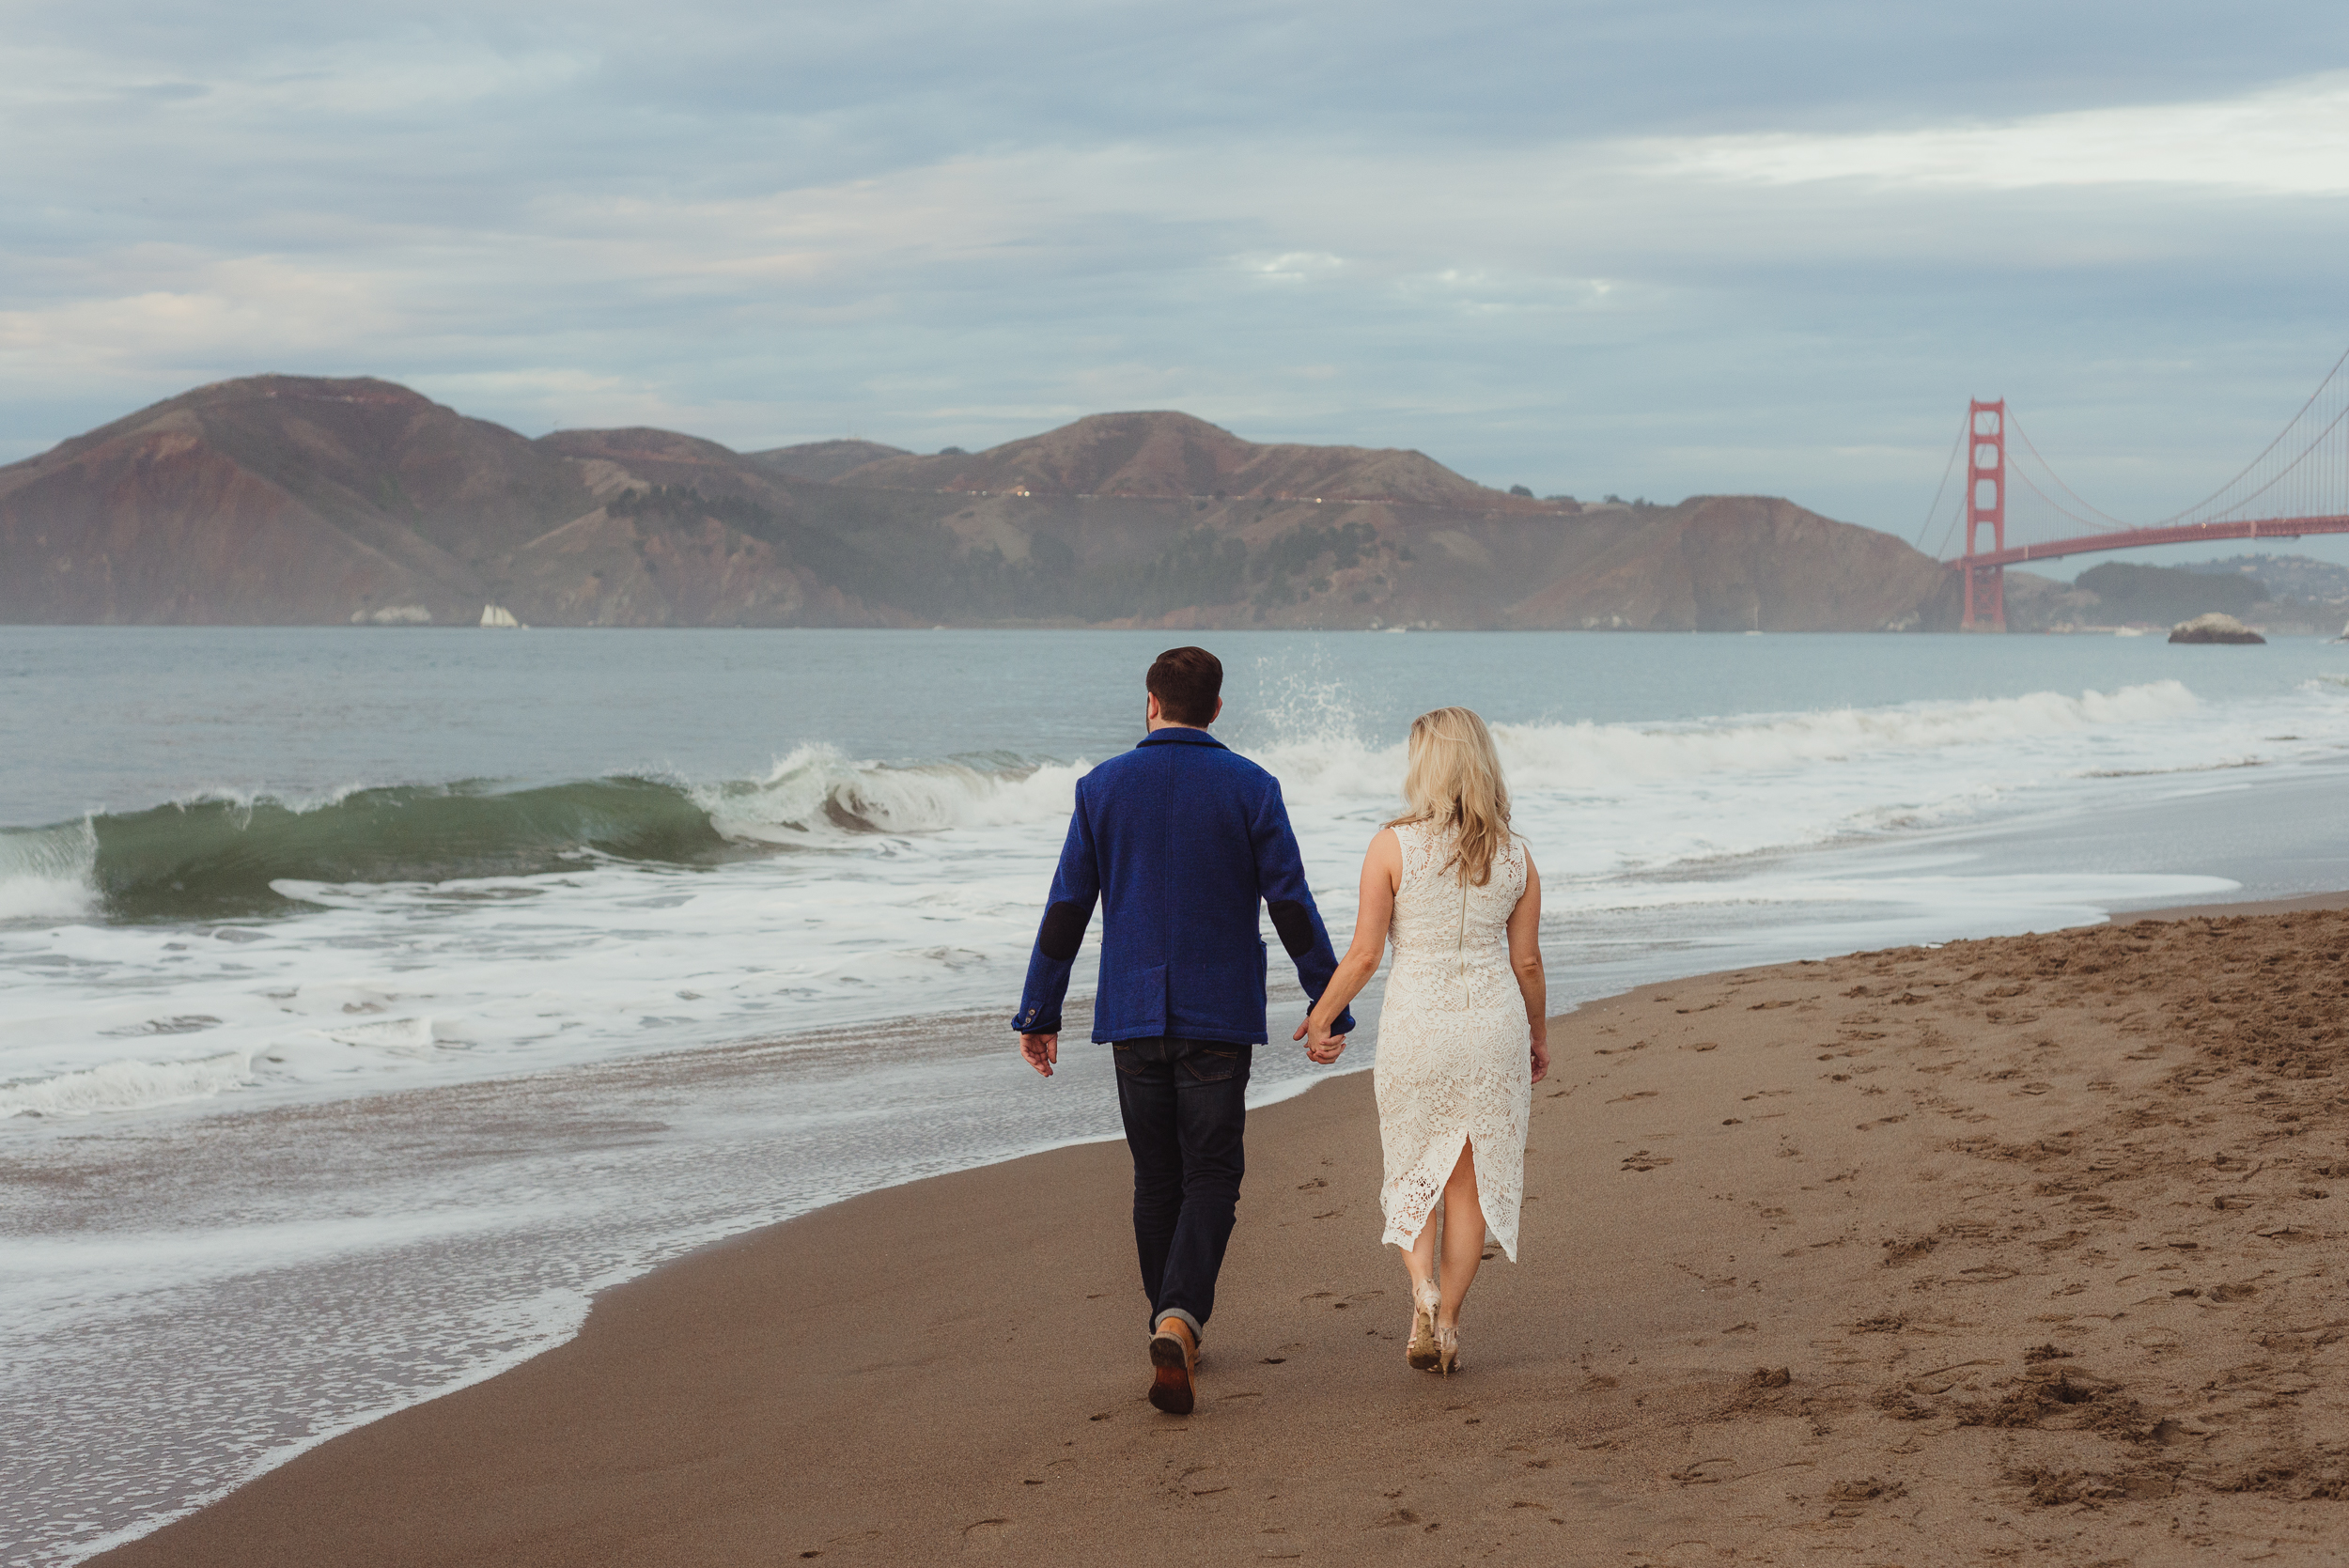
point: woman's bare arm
(1382, 873)
(1525, 959)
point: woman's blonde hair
(1455, 780)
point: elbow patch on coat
(1063, 932)
(1295, 926)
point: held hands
(1040, 1052)
(1320, 1045)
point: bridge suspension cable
(1939, 490)
(2339, 402)
(2109, 521)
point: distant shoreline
(1171, 632)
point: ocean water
(370, 998)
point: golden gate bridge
(2298, 484)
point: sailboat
(497, 615)
(2344, 633)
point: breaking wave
(217, 856)
(815, 791)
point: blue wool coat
(1179, 839)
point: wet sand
(2021, 1247)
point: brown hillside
(1724, 564)
(1736, 563)
(277, 498)
(823, 461)
(1710, 564)
(1172, 455)
(289, 498)
(641, 441)
(688, 533)
(282, 499)
(610, 462)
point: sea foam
(1585, 755)
(128, 1085)
(815, 793)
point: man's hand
(1041, 1051)
(1320, 1045)
(1541, 1057)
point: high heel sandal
(1448, 1350)
(1422, 1353)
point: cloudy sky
(1653, 249)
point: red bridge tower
(1986, 504)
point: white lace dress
(1455, 1053)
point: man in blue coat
(1180, 840)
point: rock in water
(2213, 629)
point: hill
(2298, 577)
(1172, 456)
(290, 500)
(823, 461)
(294, 500)
(279, 498)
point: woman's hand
(1541, 1055)
(1382, 873)
(1320, 1046)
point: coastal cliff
(298, 500)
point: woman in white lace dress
(1462, 1038)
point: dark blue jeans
(1185, 1112)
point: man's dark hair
(1187, 682)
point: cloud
(2288, 139)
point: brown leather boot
(1174, 1354)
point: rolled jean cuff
(1198, 1333)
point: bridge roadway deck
(2133, 538)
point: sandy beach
(2028, 1247)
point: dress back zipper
(1460, 943)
